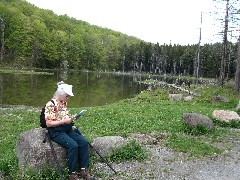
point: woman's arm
(52, 123)
(52, 116)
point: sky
(162, 21)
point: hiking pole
(77, 131)
(102, 158)
(55, 156)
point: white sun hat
(66, 88)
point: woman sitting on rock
(60, 128)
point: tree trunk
(2, 27)
(197, 62)
(225, 47)
(34, 54)
(123, 62)
(237, 73)
(1, 91)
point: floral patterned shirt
(56, 111)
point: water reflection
(89, 88)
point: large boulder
(34, 153)
(194, 119)
(106, 145)
(225, 115)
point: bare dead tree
(225, 46)
(2, 29)
(1, 91)
(230, 24)
(237, 73)
(197, 62)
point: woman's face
(65, 97)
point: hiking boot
(73, 176)
(85, 174)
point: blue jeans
(75, 144)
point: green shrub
(131, 151)
(8, 163)
(44, 174)
(231, 124)
(197, 130)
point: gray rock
(194, 119)
(188, 98)
(175, 97)
(33, 153)
(219, 98)
(105, 145)
(238, 107)
(225, 115)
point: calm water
(89, 88)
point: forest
(37, 38)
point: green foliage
(8, 162)
(131, 151)
(39, 38)
(207, 93)
(235, 124)
(231, 124)
(198, 130)
(43, 174)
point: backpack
(42, 116)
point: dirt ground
(165, 164)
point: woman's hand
(67, 120)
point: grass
(149, 113)
(18, 71)
(131, 151)
(192, 146)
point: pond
(89, 88)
